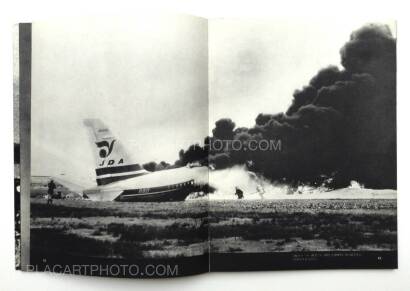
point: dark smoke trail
(341, 125)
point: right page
(302, 144)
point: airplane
(120, 178)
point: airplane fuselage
(167, 185)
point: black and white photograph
(174, 145)
(110, 178)
(308, 113)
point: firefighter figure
(50, 192)
(238, 193)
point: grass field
(120, 230)
(173, 229)
(303, 225)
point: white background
(27, 11)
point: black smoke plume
(342, 125)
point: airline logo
(106, 148)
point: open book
(167, 145)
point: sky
(145, 78)
(148, 80)
(255, 65)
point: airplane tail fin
(113, 163)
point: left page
(114, 106)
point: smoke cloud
(340, 127)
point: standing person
(50, 191)
(239, 193)
(260, 190)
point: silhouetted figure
(239, 193)
(50, 192)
